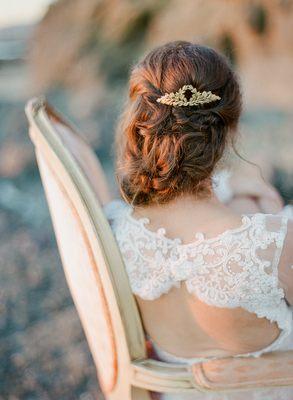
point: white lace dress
(238, 268)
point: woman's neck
(187, 214)
(184, 204)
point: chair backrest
(90, 256)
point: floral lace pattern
(237, 268)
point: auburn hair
(164, 151)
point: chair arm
(163, 377)
(271, 369)
(226, 374)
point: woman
(212, 278)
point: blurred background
(78, 53)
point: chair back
(91, 259)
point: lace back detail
(238, 268)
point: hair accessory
(179, 99)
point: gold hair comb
(179, 99)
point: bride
(208, 254)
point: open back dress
(237, 268)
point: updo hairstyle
(164, 151)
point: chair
(99, 285)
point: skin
(252, 189)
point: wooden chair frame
(136, 374)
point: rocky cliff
(92, 44)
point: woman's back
(208, 291)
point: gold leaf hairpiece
(179, 99)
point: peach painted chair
(99, 285)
